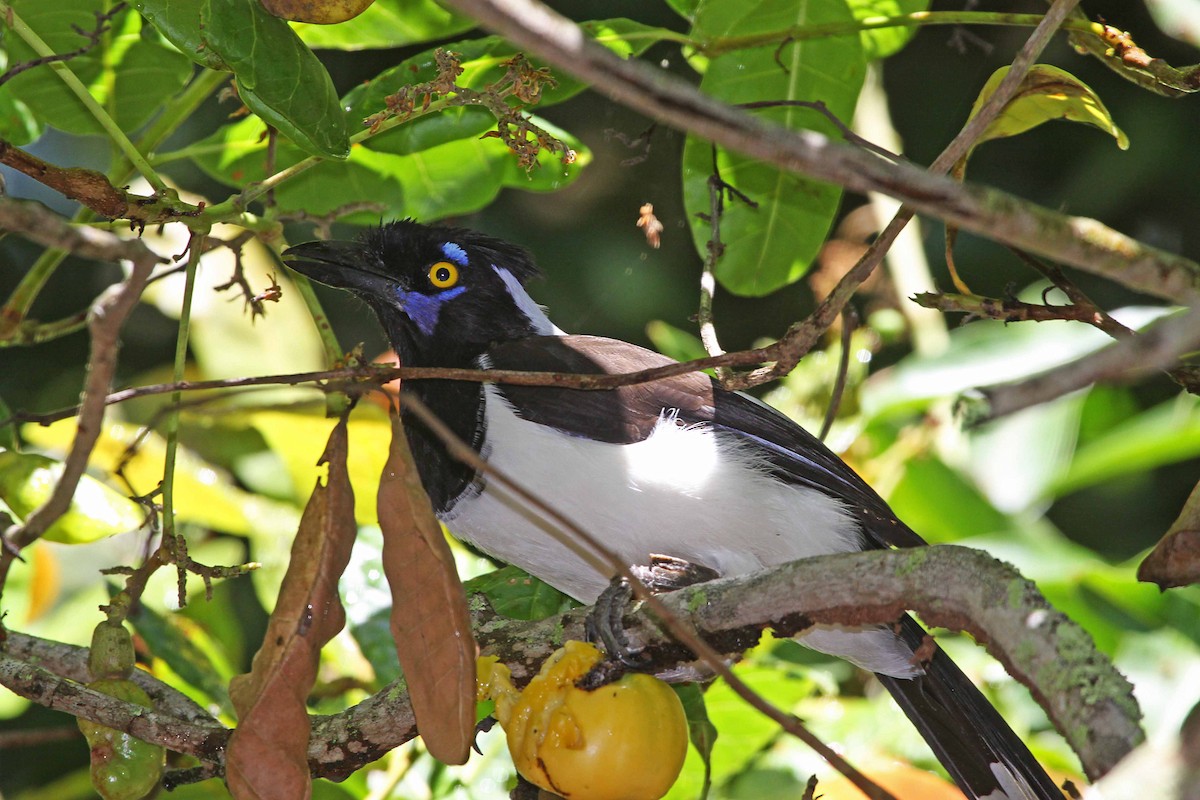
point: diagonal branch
(1076, 241)
(105, 319)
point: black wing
(629, 413)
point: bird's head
(442, 294)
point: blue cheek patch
(424, 309)
(455, 253)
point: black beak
(342, 265)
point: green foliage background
(1073, 492)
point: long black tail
(968, 735)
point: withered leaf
(1175, 560)
(267, 755)
(429, 620)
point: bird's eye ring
(443, 274)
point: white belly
(637, 500)
(674, 494)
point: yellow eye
(443, 274)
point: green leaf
(96, 511)
(457, 177)
(18, 124)
(131, 75)
(387, 23)
(883, 42)
(278, 77)
(679, 344)
(990, 352)
(188, 650)
(942, 505)
(772, 245)
(1167, 433)
(702, 733)
(1047, 93)
(179, 23)
(516, 594)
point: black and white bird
(679, 467)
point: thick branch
(1079, 242)
(953, 587)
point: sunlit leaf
(457, 177)
(96, 511)
(297, 437)
(989, 352)
(387, 23)
(204, 495)
(883, 42)
(1047, 93)
(131, 77)
(772, 245)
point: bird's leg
(604, 625)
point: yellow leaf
(1047, 93)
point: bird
(679, 467)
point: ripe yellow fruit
(624, 741)
(320, 12)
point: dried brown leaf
(1175, 560)
(267, 756)
(430, 623)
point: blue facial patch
(455, 253)
(424, 309)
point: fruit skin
(123, 766)
(624, 741)
(319, 12)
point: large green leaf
(457, 177)
(387, 23)
(130, 75)
(278, 77)
(96, 511)
(179, 23)
(772, 245)
(883, 42)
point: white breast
(682, 492)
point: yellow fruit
(320, 12)
(623, 741)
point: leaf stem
(195, 248)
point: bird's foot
(604, 624)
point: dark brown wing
(629, 413)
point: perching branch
(949, 586)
